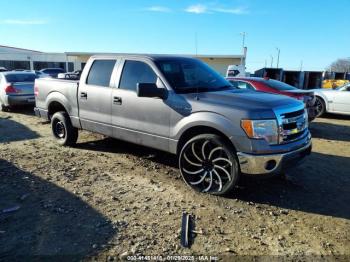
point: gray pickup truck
(179, 105)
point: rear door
(94, 97)
(141, 120)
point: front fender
(230, 129)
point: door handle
(117, 100)
(83, 95)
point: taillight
(36, 91)
(10, 90)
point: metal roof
(152, 55)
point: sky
(311, 33)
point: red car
(277, 87)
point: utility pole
(243, 34)
(271, 60)
(278, 56)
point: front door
(94, 98)
(341, 101)
(141, 120)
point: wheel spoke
(222, 159)
(219, 178)
(210, 183)
(214, 150)
(223, 169)
(195, 155)
(193, 172)
(203, 147)
(201, 180)
(189, 161)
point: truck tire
(320, 106)
(209, 164)
(62, 129)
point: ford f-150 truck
(182, 106)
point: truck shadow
(23, 110)
(321, 186)
(13, 131)
(336, 116)
(112, 145)
(330, 131)
(49, 223)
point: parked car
(3, 69)
(278, 87)
(16, 88)
(235, 71)
(40, 74)
(53, 72)
(182, 106)
(70, 75)
(333, 100)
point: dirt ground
(106, 199)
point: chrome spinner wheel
(208, 165)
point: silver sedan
(16, 88)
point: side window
(244, 85)
(100, 72)
(135, 72)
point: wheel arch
(198, 130)
(57, 102)
(324, 100)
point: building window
(70, 66)
(12, 65)
(42, 65)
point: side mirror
(150, 90)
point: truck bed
(48, 88)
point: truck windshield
(187, 75)
(279, 85)
(13, 78)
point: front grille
(292, 125)
(293, 114)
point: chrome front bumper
(272, 163)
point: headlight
(261, 129)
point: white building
(18, 58)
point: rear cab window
(135, 72)
(100, 73)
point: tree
(340, 65)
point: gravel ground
(106, 199)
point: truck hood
(255, 104)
